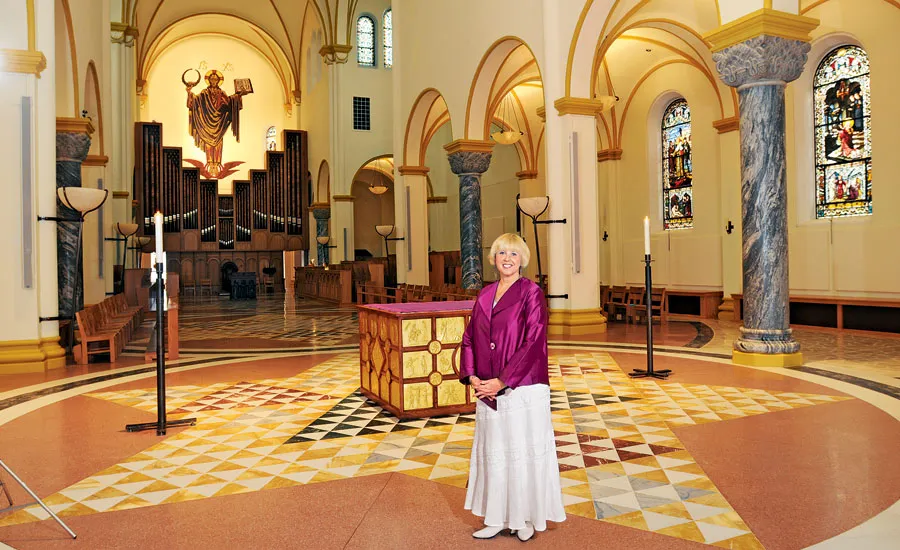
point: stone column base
(576, 322)
(726, 309)
(25, 356)
(766, 341)
(771, 360)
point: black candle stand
(648, 299)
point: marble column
(760, 68)
(322, 216)
(469, 166)
(71, 150)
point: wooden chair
(187, 283)
(206, 284)
(639, 310)
(618, 302)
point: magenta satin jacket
(508, 341)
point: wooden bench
(693, 303)
(106, 328)
(839, 312)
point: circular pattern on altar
(435, 378)
(434, 347)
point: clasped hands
(486, 388)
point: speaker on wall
(573, 188)
(27, 198)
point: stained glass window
(365, 41)
(271, 134)
(843, 134)
(677, 167)
(388, 38)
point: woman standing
(513, 472)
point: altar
(409, 357)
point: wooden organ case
(250, 228)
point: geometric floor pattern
(619, 460)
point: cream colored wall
(352, 148)
(443, 218)
(90, 26)
(261, 109)
(858, 255)
(370, 210)
(499, 186)
(686, 258)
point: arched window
(843, 134)
(365, 41)
(677, 168)
(387, 29)
(271, 144)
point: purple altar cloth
(422, 307)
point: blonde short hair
(511, 242)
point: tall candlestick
(158, 226)
(646, 235)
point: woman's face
(507, 262)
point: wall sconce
(729, 227)
(533, 207)
(83, 200)
(323, 244)
(385, 231)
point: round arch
(508, 62)
(428, 114)
(323, 183)
(93, 105)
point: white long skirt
(513, 472)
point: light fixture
(82, 200)
(511, 135)
(377, 188)
(533, 207)
(139, 244)
(125, 230)
(385, 231)
(323, 244)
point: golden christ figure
(211, 112)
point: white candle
(646, 235)
(158, 226)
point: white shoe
(526, 533)
(488, 532)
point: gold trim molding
(765, 21)
(576, 321)
(95, 160)
(609, 154)
(343, 198)
(22, 61)
(527, 174)
(437, 200)
(726, 125)
(335, 53)
(24, 356)
(413, 170)
(469, 146)
(579, 106)
(542, 113)
(318, 205)
(120, 194)
(68, 125)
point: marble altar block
(409, 357)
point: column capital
(469, 162)
(72, 145)
(762, 22)
(469, 145)
(762, 59)
(321, 211)
(527, 175)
